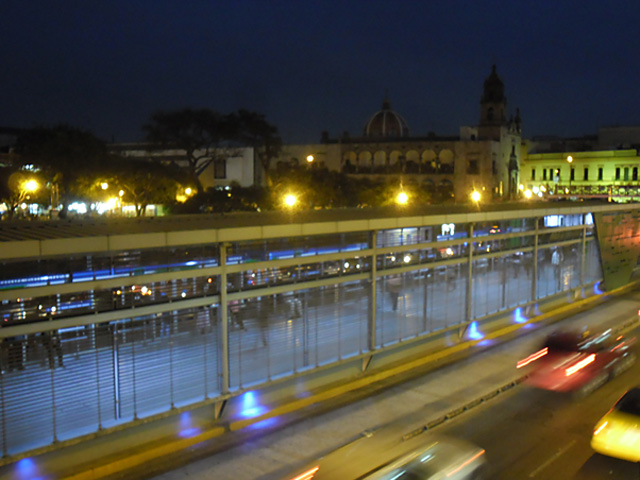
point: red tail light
(533, 357)
(580, 365)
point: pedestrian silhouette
(51, 342)
(393, 287)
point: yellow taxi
(617, 434)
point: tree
(63, 154)
(252, 129)
(18, 186)
(200, 134)
(143, 182)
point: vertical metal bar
(5, 448)
(53, 401)
(534, 276)
(583, 252)
(469, 298)
(95, 346)
(207, 331)
(340, 304)
(503, 278)
(425, 280)
(316, 329)
(116, 375)
(224, 325)
(133, 369)
(305, 330)
(373, 295)
(173, 405)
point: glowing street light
(528, 194)
(30, 186)
(475, 196)
(402, 198)
(104, 185)
(310, 158)
(290, 200)
(570, 161)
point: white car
(423, 457)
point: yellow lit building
(609, 174)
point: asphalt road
(533, 434)
(527, 433)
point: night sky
(309, 66)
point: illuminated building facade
(485, 157)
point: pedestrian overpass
(155, 316)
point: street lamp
(30, 186)
(290, 200)
(402, 198)
(570, 161)
(310, 159)
(475, 196)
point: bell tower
(493, 107)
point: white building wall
(239, 163)
(239, 169)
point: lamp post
(570, 161)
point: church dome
(386, 123)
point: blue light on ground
(26, 469)
(518, 317)
(189, 432)
(474, 334)
(486, 343)
(250, 407)
(261, 425)
(596, 288)
(186, 429)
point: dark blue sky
(571, 66)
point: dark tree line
(71, 165)
(205, 136)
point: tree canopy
(203, 135)
(253, 130)
(142, 182)
(63, 154)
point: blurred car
(430, 458)
(617, 434)
(578, 361)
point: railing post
(534, 277)
(469, 300)
(464, 325)
(224, 320)
(583, 252)
(373, 294)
